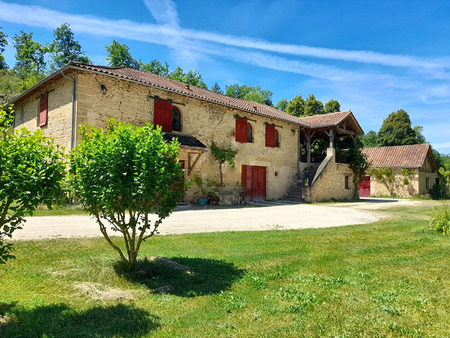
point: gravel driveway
(251, 218)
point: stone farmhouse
(414, 168)
(268, 162)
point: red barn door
(254, 182)
(364, 187)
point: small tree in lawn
(123, 175)
(222, 156)
(31, 173)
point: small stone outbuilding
(413, 166)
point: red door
(254, 182)
(364, 187)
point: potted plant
(306, 182)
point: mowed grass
(390, 278)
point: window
(43, 110)
(249, 133)
(427, 184)
(167, 116)
(347, 182)
(176, 119)
(241, 130)
(272, 136)
(277, 139)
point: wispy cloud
(168, 32)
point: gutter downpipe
(72, 136)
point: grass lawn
(390, 278)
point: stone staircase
(296, 192)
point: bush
(31, 173)
(440, 221)
(123, 175)
(439, 192)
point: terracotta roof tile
(189, 90)
(410, 156)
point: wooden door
(254, 182)
(364, 187)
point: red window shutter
(241, 130)
(270, 136)
(163, 115)
(43, 110)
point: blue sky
(374, 57)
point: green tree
(11, 85)
(31, 173)
(223, 155)
(192, 77)
(296, 106)
(282, 105)
(65, 48)
(124, 175)
(418, 134)
(156, 67)
(3, 44)
(30, 55)
(118, 55)
(313, 106)
(332, 106)
(246, 92)
(369, 140)
(396, 130)
(216, 89)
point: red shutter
(43, 111)
(270, 136)
(241, 130)
(163, 115)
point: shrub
(31, 173)
(440, 221)
(121, 177)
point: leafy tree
(216, 89)
(122, 176)
(31, 173)
(222, 156)
(11, 85)
(156, 67)
(65, 48)
(419, 136)
(282, 105)
(313, 106)
(29, 55)
(396, 130)
(332, 106)
(192, 77)
(118, 55)
(246, 92)
(369, 140)
(3, 43)
(296, 106)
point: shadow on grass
(59, 320)
(183, 276)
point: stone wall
(134, 103)
(59, 112)
(414, 184)
(330, 184)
